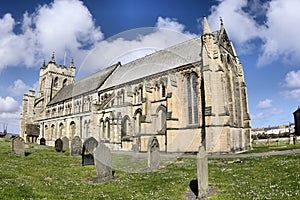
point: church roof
(160, 61)
(82, 86)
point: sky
(96, 34)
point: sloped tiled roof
(170, 58)
(160, 61)
(85, 85)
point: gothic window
(65, 82)
(125, 130)
(137, 121)
(46, 132)
(161, 119)
(55, 82)
(140, 99)
(52, 132)
(163, 90)
(192, 98)
(122, 96)
(61, 129)
(72, 129)
(102, 129)
(107, 124)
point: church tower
(227, 121)
(52, 78)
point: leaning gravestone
(103, 164)
(42, 141)
(58, 145)
(89, 146)
(76, 144)
(135, 148)
(202, 172)
(291, 140)
(18, 146)
(153, 153)
(65, 143)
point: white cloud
(62, 26)
(8, 105)
(135, 43)
(292, 85)
(19, 88)
(278, 33)
(292, 79)
(267, 103)
(240, 25)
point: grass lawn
(44, 174)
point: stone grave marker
(202, 172)
(76, 145)
(42, 141)
(58, 145)
(135, 148)
(153, 153)
(291, 141)
(89, 146)
(18, 146)
(103, 162)
(65, 143)
(7, 138)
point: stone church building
(187, 95)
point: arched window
(137, 121)
(55, 82)
(107, 124)
(192, 98)
(47, 132)
(140, 98)
(163, 90)
(61, 130)
(65, 82)
(122, 97)
(125, 129)
(161, 119)
(52, 132)
(72, 129)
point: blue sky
(264, 32)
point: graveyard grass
(45, 174)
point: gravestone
(76, 144)
(58, 145)
(42, 141)
(103, 162)
(65, 143)
(18, 146)
(291, 139)
(7, 138)
(135, 148)
(202, 172)
(153, 153)
(89, 146)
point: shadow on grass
(194, 186)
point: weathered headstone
(291, 139)
(7, 138)
(58, 145)
(18, 146)
(42, 141)
(135, 148)
(153, 153)
(65, 143)
(89, 146)
(103, 162)
(202, 172)
(76, 145)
